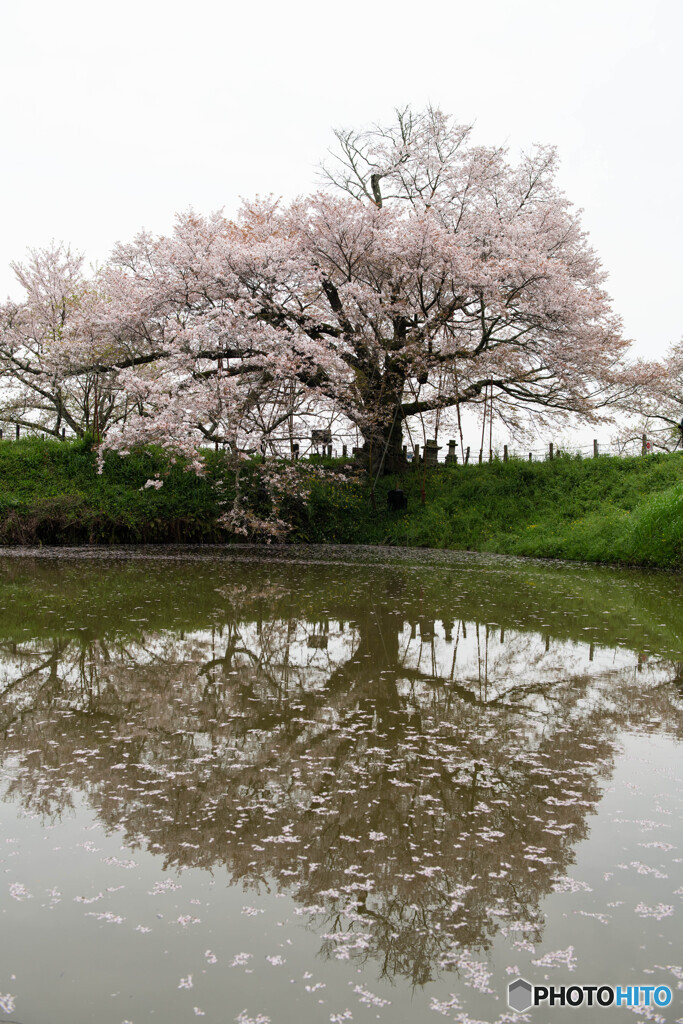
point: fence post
(550, 450)
(467, 455)
(295, 452)
(531, 457)
(0, 433)
(329, 451)
(481, 456)
(416, 459)
(17, 431)
(595, 447)
(63, 433)
(344, 451)
(505, 453)
(644, 449)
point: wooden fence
(332, 446)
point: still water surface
(334, 785)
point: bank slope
(627, 511)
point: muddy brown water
(334, 784)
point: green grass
(51, 493)
(602, 510)
(627, 510)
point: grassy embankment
(603, 510)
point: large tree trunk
(383, 441)
(383, 433)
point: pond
(310, 785)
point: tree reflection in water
(411, 757)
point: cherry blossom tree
(672, 413)
(654, 409)
(494, 281)
(54, 372)
(429, 274)
(661, 401)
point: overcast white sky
(115, 116)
